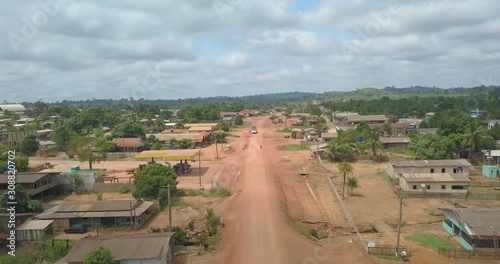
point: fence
(466, 254)
(467, 196)
(388, 250)
(361, 241)
(120, 155)
(484, 184)
(113, 187)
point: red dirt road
(256, 231)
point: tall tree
(473, 136)
(159, 124)
(61, 135)
(151, 181)
(76, 181)
(128, 129)
(89, 149)
(29, 145)
(345, 169)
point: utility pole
(317, 154)
(199, 166)
(495, 245)
(131, 218)
(169, 210)
(399, 224)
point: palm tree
(159, 124)
(474, 134)
(218, 137)
(352, 182)
(374, 141)
(344, 168)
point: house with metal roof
(356, 119)
(395, 142)
(456, 166)
(107, 213)
(157, 248)
(33, 183)
(130, 144)
(434, 183)
(34, 230)
(476, 228)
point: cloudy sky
(169, 49)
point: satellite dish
(422, 185)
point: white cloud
(172, 49)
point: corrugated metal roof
(359, 118)
(35, 225)
(123, 247)
(96, 206)
(395, 140)
(434, 177)
(329, 135)
(200, 124)
(128, 142)
(175, 154)
(168, 137)
(494, 153)
(481, 222)
(430, 163)
(200, 128)
(27, 177)
(89, 209)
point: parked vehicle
(254, 130)
(76, 229)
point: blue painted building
(491, 171)
(475, 227)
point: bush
(219, 192)
(207, 242)
(99, 197)
(179, 236)
(121, 155)
(190, 225)
(34, 206)
(124, 190)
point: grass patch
(386, 257)
(284, 130)
(180, 204)
(430, 241)
(405, 152)
(483, 190)
(385, 176)
(219, 192)
(189, 193)
(292, 147)
(233, 135)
